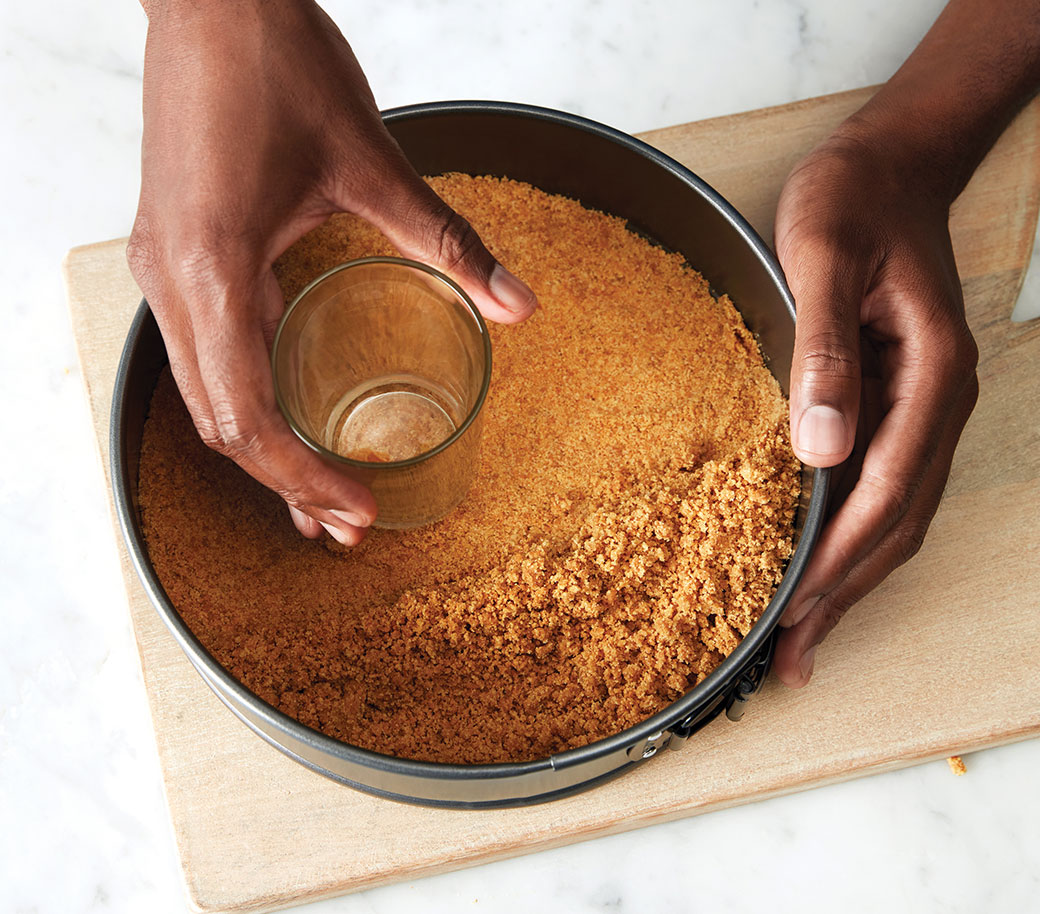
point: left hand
(884, 368)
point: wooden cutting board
(941, 659)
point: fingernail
(805, 665)
(510, 292)
(349, 517)
(823, 432)
(795, 614)
(304, 523)
(338, 535)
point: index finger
(926, 393)
(247, 424)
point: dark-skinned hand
(883, 378)
(258, 125)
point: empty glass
(382, 366)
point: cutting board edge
(263, 904)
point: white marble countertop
(83, 825)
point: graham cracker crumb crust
(629, 523)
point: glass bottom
(394, 418)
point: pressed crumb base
(630, 520)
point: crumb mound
(630, 520)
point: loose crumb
(957, 765)
(630, 519)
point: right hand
(884, 366)
(258, 125)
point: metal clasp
(746, 687)
(649, 747)
(751, 680)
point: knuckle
(205, 422)
(209, 432)
(832, 608)
(948, 370)
(890, 501)
(233, 431)
(955, 347)
(196, 263)
(142, 249)
(907, 541)
(829, 356)
(453, 239)
(833, 613)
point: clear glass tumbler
(382, 365)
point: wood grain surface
(938, 660)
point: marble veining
(83, 825)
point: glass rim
(474, 411)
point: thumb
(825, 374)
(423, 227)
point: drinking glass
(382, 365)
